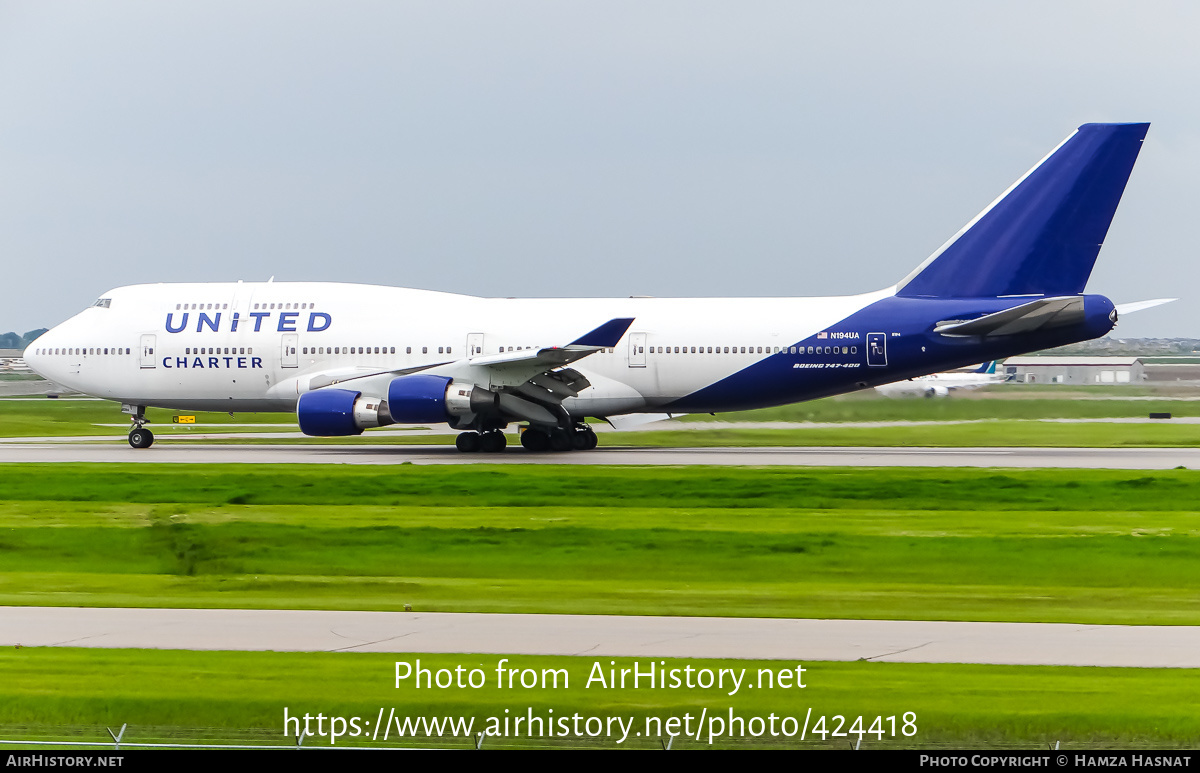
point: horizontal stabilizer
(1042, 313)
(1129, 308)
(605, 336)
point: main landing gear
(490, 442)
(139, 436)
(578, 438)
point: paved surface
(202, 453)
(600, 635)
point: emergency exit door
(637, 350)
(288, 356)
(147, 345)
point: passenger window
(408, 350)
(424, 350)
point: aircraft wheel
(560, 440)
(534, 440)
(141, 438)
(579, 440)
(592, 440)
(492, 442)
(467, 442)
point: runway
(193, 452)
(605, 636)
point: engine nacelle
(337, 412)
(937, 391)
(425, 399)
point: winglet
(606, 335)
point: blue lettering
(166, 362)
(182, 324)
(235, 322)
(256, 362)
(204, 320)
(258, 318)
(312, 321)
(241, 362)
(199, 363)
(181, 362)
(227, 361)
(287, 321)
(212, 362)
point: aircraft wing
(1044, 312)
(513, 368)
(531, 384)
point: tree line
(13, 341)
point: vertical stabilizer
(1042, 235)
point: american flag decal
(822, 335)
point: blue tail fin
(1041, 237)
(988, 368)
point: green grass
(237, 697)
(1101, 547)
(1009, 403)
(988, 434)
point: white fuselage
(259, 346)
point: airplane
(942, 384)
(350, 357)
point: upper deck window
(102, 303)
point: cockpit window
(102, 303)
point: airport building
(1075, 370)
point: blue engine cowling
(328, 412)
(418, 399)
(425, 399)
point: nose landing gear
(139, 436)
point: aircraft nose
(38, 355)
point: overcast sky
(571, 148)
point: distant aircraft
(942, 384)
(350, 357)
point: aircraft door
(877, 349)
(637, 350)
(288, 356)
(474, 345)
(147, 346)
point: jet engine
(424, 399)
(415, 399)
(334, 412)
